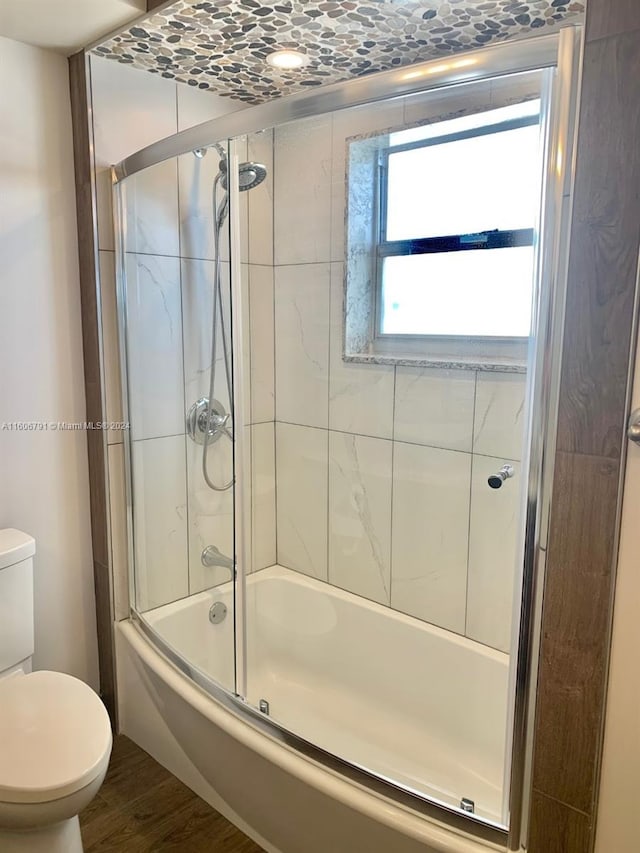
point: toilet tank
(16, 597)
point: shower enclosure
(339, 313)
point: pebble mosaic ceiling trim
(223, 45)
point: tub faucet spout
(212, 556)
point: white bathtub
(386, 692)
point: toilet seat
(55, 737)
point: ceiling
(65, 25)
(221, 45)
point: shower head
(249, 175)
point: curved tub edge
(434, 835)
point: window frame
(390, 343)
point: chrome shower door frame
(561, 54)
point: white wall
(43, 475)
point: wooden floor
(142, 807)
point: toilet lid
(55, 737)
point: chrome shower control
(201, 415)
(496, 480)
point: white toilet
(55, 735)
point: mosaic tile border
(222, 46)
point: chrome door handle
(633, 427)
(496, 480)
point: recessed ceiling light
(287, 59)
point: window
(441, 226)
(458, 202)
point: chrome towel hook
(496, 480)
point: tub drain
(217, 612)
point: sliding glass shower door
(176, 334)
(334, 332)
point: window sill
(494, 365)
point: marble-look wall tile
(118, 526)
(211, 518)
(499, 416)
(347, 123)
(160, 521)
(260, 200)
(197, 105)
(156, 392)
(151, 205)
(110, 346)
(197, 315)
(430, 522)
(130, 109)
(262, 342)
(196, 176)
(494, 561)
(360, 515)
(302, 210)
(263, 494)
(302, 343)
(196, 179)
(435, 407)
(360, 395)
(301, 498)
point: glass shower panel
(175, 271)
(379, 605)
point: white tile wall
(302, 343)
(334, 489)
(210, 513)
(197, 105)
(301, 498)
(346, 124)
(435, 407)
(262, 343)
(263, 492)
(131, 109)
(430, 523)
(151, 204)
(493, 553)
(197, 313)
(110, 345)
(360, 515)
(118, 526)
(302, 173)
(499, 416)
(155, 346)
(360, 395)
(260, 200)
(196, 177)
(160, 520)
(425, 424)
